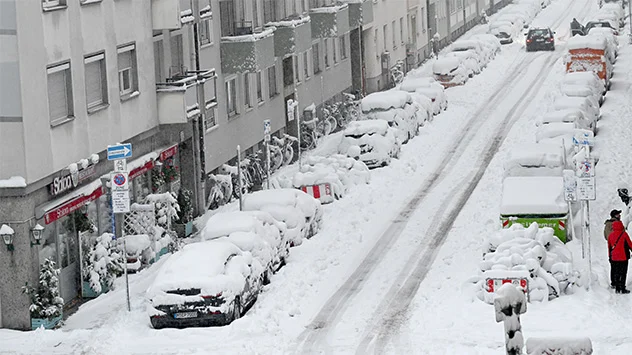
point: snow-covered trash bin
(559, 346)
(532, 258)
(535, 159)
(261, 223)
(377, 142)
(535, 199)
(204, 284)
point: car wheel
(236, 309)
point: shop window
(48, 249)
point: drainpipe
(198, 121)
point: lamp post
(36, 233)
(7, 234)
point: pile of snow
(13, 181)
(135, 247)
(559, 345)
(534, 250)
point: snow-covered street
(389, 271)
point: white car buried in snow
(590, 109)
(398, 109)
(451, 71)
(570, 115)
(372, 142)
(206, 283)
(429, 87)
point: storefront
(80, 211)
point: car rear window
(539, 33)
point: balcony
(178, 99)
(329, 21)
(413, 4)
(360, 12)
(246, 50)
(165, 15)
(292, 35)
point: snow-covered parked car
(206, 283)
(574, 90)
(398, 109)
(586, 78)
(564, 130)
(570, 115)
(451, 71)
(591, 109)
(429, 87)
(535, 159)
(472, 61)
(483, 54)
(371, 141)
(489, 42)
(310, 209)
(616, 10)
(223, 224)
(505, 31)
(612, 48)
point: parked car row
(213, 281)
(514, 18)
(464, 59)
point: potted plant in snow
(102, 264)
(46, 303)
(183, 222)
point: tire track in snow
(331, 311)
(396, 304)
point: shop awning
(61, 207)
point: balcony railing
(178, 97)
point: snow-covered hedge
(534, 250)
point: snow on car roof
(536, 155)
(465, 44)
(256, 200)
(357, 128)
(571, 102)
(563, 115)
(581, 42)
(224, 223)
(533, 195)
(385, 100)
(194, 266)
(554, 129)
(445, 65)
(576, 90)
(412, 84)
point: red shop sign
(71, 206)
(169, 152)
(141, 170)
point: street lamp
(36, 233)
(7, 233)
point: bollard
(510, 302)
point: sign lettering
(169, 152)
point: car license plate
(183, 315)
(540, 40)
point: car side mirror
(554, 32)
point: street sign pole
(241, 191)
(266, 139)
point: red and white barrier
(321, 192)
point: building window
(96, 81)
(231, 96)
(50, 4)
(209, 119)
(334, 43)
(422, 18)
(401, 29)
(255, 14)
(288, 71)
(393, 34)
(247, 101)
(158, 61)
(205, 31)
(177, 55)
(326, 48)
(384, 37)
(128, 76)
(59, 93)
(306, 64)
(343, 46)
(272, 82)
(269, 10)
(297, 73)
(259, 87)
(316, 57)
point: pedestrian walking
(576, 28)
(619, 246)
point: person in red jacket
(619, 246)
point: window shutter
(124, 60)
(158, 61)
(57, 95)
(94, 88)
(177, 52)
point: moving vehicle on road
(540, 38)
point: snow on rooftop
(13, 181)
(328, 9)
(289, 23)
(533, 195)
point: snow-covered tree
(102, 263)
(45, 299)
(166, 207)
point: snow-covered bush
(535, 250)
(137, 247)
(102, 263)
(185, 212)
(166, 207)
(46, 302)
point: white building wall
(68, 34)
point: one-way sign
(120, 151)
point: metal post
(298, 136)
(268, 165)
(120, 232)
(241, 191)
(198, 121)
(630, 17)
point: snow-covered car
(470, 59)
(570, 115)
(371, 141)
(517, 22)
(616, 10)
(591, 110)
(489, 42)
(398, 109)
(309, 208)
(482, 52)
(428, 87)
(535, 159)
(206, 283)
(603, 22)
(451, 71)
(578, 90)
(503, 30)
(555, 131)
(223, 224)
(587, 78)
(612, 48)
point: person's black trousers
(618, 273)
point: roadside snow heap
(534, 252)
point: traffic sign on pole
(119, 181)
(266, 130)
(119, 151)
